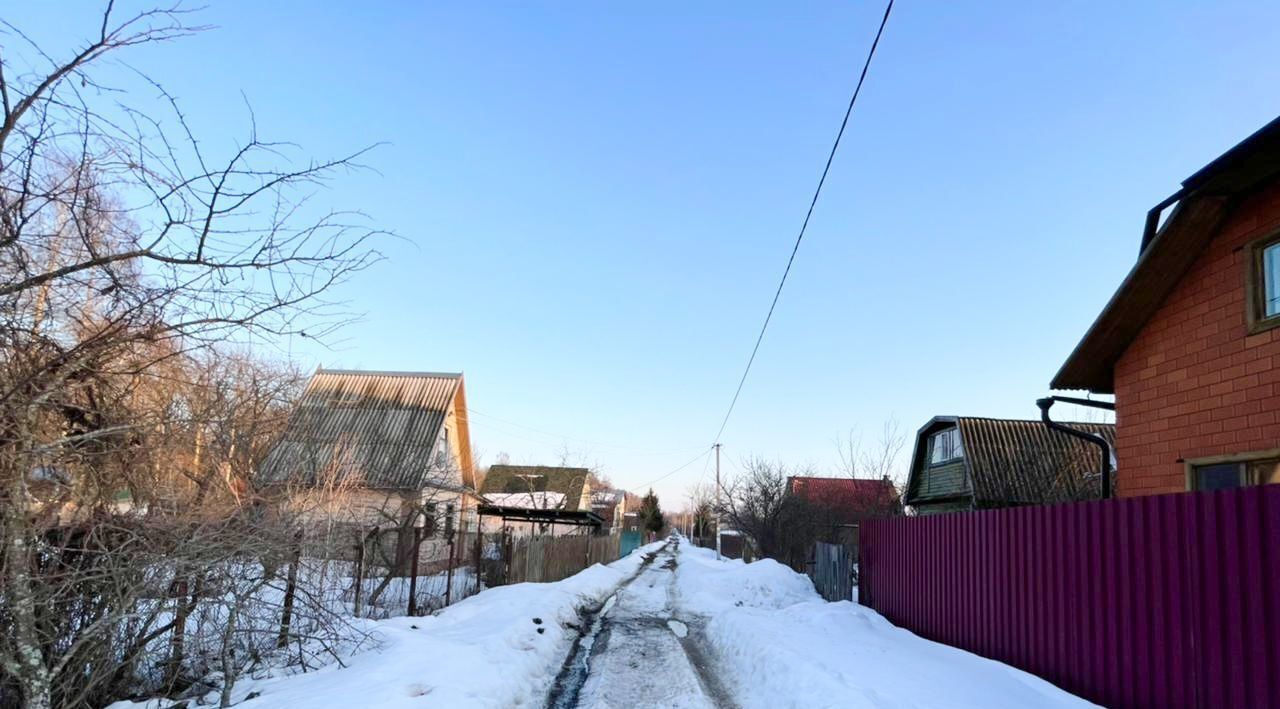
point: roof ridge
(1036, 421)
(389, 373)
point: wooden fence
(548, 558)
(1163, 601)
(833, 570)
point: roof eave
(1091, 365)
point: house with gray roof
(393, 448)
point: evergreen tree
(651, 513)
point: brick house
(1190, 342)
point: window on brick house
(1233, 474)
(1270, 280)
(1263, 283)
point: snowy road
(645, 652)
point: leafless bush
(135, 268)
(781, 526)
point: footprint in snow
(417, 690)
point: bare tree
(133, 258)
(877, 461)
(702, 499)
(759, 504)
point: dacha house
(1190, 342)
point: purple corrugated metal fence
(1163, 601)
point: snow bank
(708, 587)
(783, 646)
(499, 648)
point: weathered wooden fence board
(547, 558)
(833, 570)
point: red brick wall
(1192, 383)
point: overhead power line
(565, 437)
(664, 476)
(812, 203)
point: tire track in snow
(639, 654)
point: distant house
(381, 451)
(1190, 342)
(611, 506)
(845, 502)
(966, 463)
(538, 488)
(849, 500)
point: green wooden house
(966, 463)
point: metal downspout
(1104, 464)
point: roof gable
(380, 427)
(1202, 205)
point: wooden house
(378, 451)
(967, 463)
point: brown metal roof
(381, 426)
(1020, 462)
(1202, 205)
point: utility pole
(717, 502)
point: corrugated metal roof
(1026, 462)
(1019, 462)
(502, 479)
(382, 426)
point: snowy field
(686, 630)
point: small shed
(542, 489)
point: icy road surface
(646, 652)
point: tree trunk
(28, 667)
(228, 655)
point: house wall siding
(943, 480)
(1193, 383)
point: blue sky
(596, 201)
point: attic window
(945, 446)
(1263, 284)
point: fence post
(448, 580)
(507, 551)
(290, 587)
(479, 556)
(360, 544)
(413, 571)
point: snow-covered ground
(500, 648)
(684, 631)
(639, 658)
(776, 643)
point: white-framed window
(1262, 284)
(1271, 280)
(945, 446)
